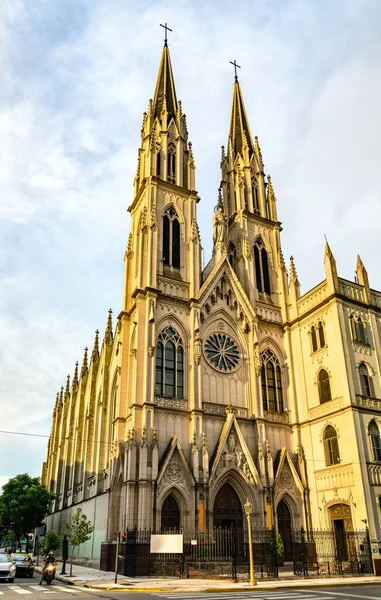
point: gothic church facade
(221, 384)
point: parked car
(24, 564)
(7, 568)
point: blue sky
(76, 78)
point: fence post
(304, 553)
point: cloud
(77, 77)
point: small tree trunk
(71, 562)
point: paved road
(30, 587)
(307, 593)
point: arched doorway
(170, 513)
(227, 510)
(285, 528)
(341, 520)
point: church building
(220, 385)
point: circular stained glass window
(222, 352)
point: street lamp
(248, 512)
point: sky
(76, 77)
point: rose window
(222, 352)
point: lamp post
(248, 512)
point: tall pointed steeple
(239, 132)
(164, 98)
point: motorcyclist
(49, 559)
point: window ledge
(166, 402)
(368, 402)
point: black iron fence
(224, 553)
(330, 552)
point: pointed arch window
(331, 446)
(321, 335)
(171, 163)
(254, 193)
(261, 262)
(169, 364)
(366, 381)
(357, 330)
(271, 378)
(360, 332)
(171, 238)
(374, 435)
(317, 337)
(314, 339)
(324, 387)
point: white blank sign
(167, 544)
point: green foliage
(23, 504)
(79, 530)
(50, 541)
(279, 545)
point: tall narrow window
(375, 440)
(171, 239)
(159, 368)
(166, 240)
(232, 254)
(366, 381)
(314, 339)
(360, 332)
(171, 163)
(158, 163)
(169, 369)
(331, 446)
(324, 386)
(176, 244)
(321, 335)
(265, 398)
(254, 192)
(169, 364)
(352, 325)
(262, 274)
(272, 388)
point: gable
(222, 287)
(231, 452)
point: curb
(221, 590)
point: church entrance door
(227, 510)
(285, 528)
(341, 519)
(170, 514)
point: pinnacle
(84, 363)
(67, 389)
(220, 202)
(108, 332)
(95, 352)
(293, 273)
(74, 382)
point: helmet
(51, 553)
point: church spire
(239, 132)
(164, 98)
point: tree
(50, 541)
(79, 530)
(23, 505)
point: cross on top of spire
(165, 37)
(235, 70)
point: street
(62, 591)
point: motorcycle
(49, 573)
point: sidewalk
(104, 580)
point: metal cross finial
(166, 29)
(235, 70)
